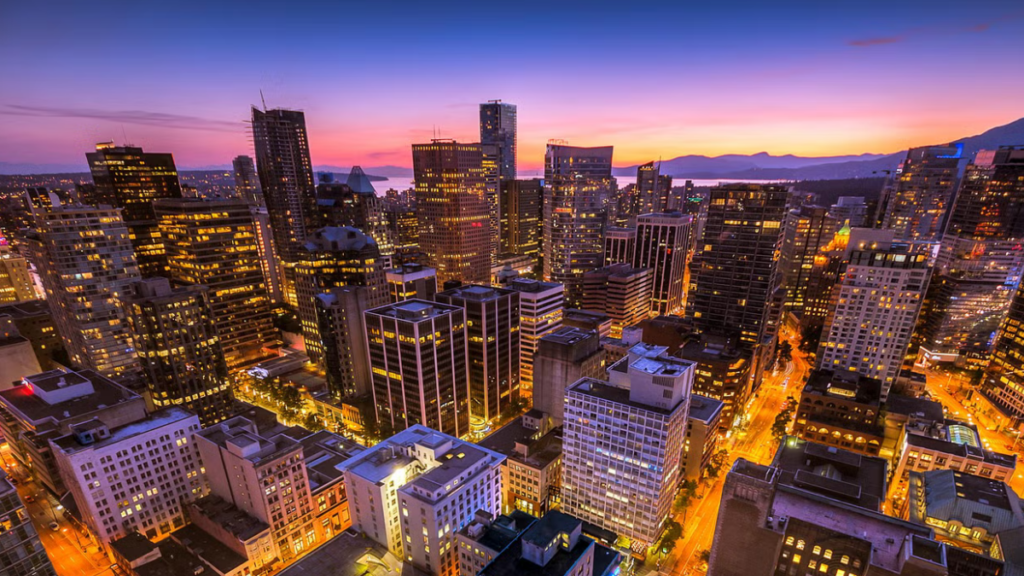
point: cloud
(934, 31)
(125, 117)
(877, 41)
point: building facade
(662, 244)
(540, 310)
(621, 291)
(918, 196)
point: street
(755, 444)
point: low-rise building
(46, 405)
(134, 477)
(17, 357)
(554, 546)
(532, 473)
(243, 534)
(841, 475)
(486, 537)
(703, 425)
(841, 409)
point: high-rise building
(648, 198)
(453, 209)
(178, 347)
(563, 357)
(736, 282)
(723, 372)
(20, 546)
(521, 204)
(874, 307)
(15, 279)
(136, 477)
(703, 423)
(342, 330)
(619, 245)
(34, 321)
(86, 263)
(330, 258)
(842, 409)
(621, 291)
(808, 230)
(623, 444)
(354, 203)
(849, 211)
(918, 196)
(577, 185)
(540, 309)
(424, 479)
(979, 262)
(273, 271)
(419, 366)
(213, 243)
(1004, 377)
(498, 127)
(492, 353)
(247, 182)
(130, 179)
(286, 177)
(662, 244)
(411, 281)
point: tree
(514, 408)
(784, 351)
(312, 423)
(705, 555)
(782, 420)
(809, 338)
(716, 463)
(684, 497)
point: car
(54, 526)
(13, 480)
(30, 499)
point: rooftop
(208, 548)
(500, 532)
(845, 384)
(349, 555)
(832, 472)
(955, 438)
(533, 286)
(323, 451)
(973, 500)
(230, 517)
(133, 546)
(174, 560)
(339, 238)
(917, 407)
(475, 293)
(705, 409)
(540, 450)
(239, 436)
(165, 417)
(604, 391)
(414, 310)
(511, 561)
(106, 393)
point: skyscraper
(453, 209)
(521, 212)
(623, 444)
(736, 281)
(1004, 377)
(874, 307)
(247, 182)
(540, 307)
(419, 367)
(979, 262)
(564, 356)
(355, 203)
(213, 243)
(915, 202)
(19, 543)
(577, 185)
(493, 347)
(86, 264)
(130, 179)
(662, 244)
(808, 230)
(333, 257)
(621, 291)
(619, 245)
(498, 127)
(342, 330)
(648, 198)
(411, 281)
(286, 176)
(179, 349)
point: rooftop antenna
(263, 100)
(124, 136)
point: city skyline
(783, 79)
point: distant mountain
(382, 171)
(10, 168)
(735, 163)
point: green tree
(784, 352)
(705, 555)
(716, 464)
(684, 497)
(312, 423)
(783, 418)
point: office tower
(808, 230)
(874, 307)
(15, 280)
(979, 261)
(19, 543)
(577, 185)
(662, 244)
(273, 271)
(134, 477)
(263, 477)
(213, 243)
(1004, 383)
(532, 472)
(34, 321)
(498, 127)
(620, 291)
(703, 423)
(555, 545)
(424, 479)
(648, 195)
(521, 204)
(130, 179)
(411, 281)
(354, 203)
(86, 263)
(247, 182)
(624, 443)
(486, 537)
(342, 330)
(918, 195)
(46, 405)
(598, 322)
(489, 162)
(841, 409)
(849, 211)
(453, 209)
(178, 347)
(493, 345)
(540, 309)
(286, 177)
(619, 245)
(723, 372)
(822, 278)
(330, 258)
(419, 366)
(404, 228)
(736, 282)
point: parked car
(54, 526)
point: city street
(755, 444)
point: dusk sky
(653, 79)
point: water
(406, 183)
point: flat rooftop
(208, 548)
(414, 310)
(106, 393)
(511, 562)
(384, 459)
(604, 391)
(704, 409)
(230, 517)
(349, 555)
(452, 464)
(844, 384)
(475, 292)
(541, 449)
(833, 472)
(154, 420)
